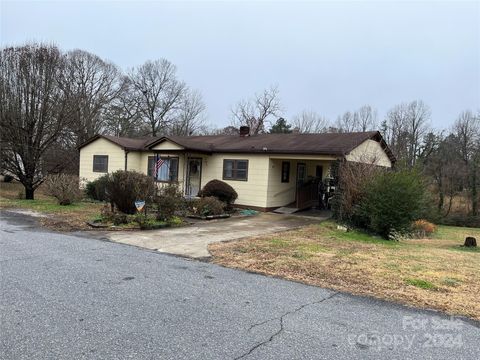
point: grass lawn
(432, 273)
(69, 217)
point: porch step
(286, 210)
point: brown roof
(124, 142)
(337, 144)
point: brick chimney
(244, 131)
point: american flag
(158, 165)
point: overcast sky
(324, 56)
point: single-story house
(266, 170)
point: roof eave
(95, 138)
(276, 151)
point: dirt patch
(65, 223)
(430, 273)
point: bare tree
(158, 93)
(93, 85)
(405, 129)
(445, 168)
(363, 119)
(310, 122)
(454, 165)
(417, 127)
(257, 111)
(33, 110)
(467, 132)
(189, 119)
(351, 177)
(395, 133)
(366, 118)
(347, 122)
(122, 117)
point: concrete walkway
(193, 240)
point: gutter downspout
(126, 158)
(185, 173)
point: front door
(305, 196)
(194, 174)
(301, 174)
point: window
(285, 171)
(167, 171)
(235, 170)
(301, 173)
(100, 163)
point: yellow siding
(252, 192)
(281, 194)
(370, 152)
(134, 161)
(167, 145)
(263, 187)
(116, 158)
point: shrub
(65, 188)
(90, 190)
(96, 189)
(152, 224)
(168, 201)
(207, 206)
(123, 188)
(221, 190)
(392, 201)
(119, 218)
(175, 221)
(422, 228)
(351, 179)
(461, 220)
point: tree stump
(470, 242)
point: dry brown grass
(461, 204)
(429, 273)
(60, 217)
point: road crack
(281, 323)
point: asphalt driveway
(193, 240)
(67, 297)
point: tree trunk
(441, 195)
(449, 205)
(441, 200)
(470, 242)
(29, 192)
(154, 128)
(474, 193)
